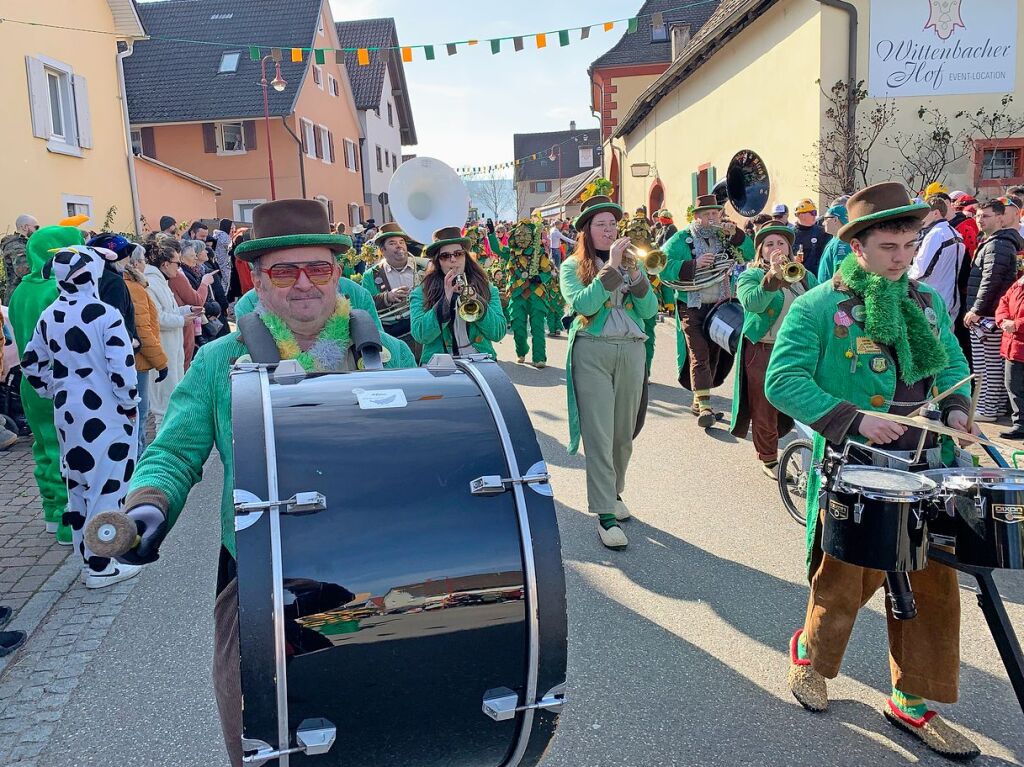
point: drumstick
(974, 404)
(943, 395)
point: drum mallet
(111, 534)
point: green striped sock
(607, 521)
(911, 705)
(801, 647)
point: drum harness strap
(366, 341)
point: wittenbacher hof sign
(942, 47)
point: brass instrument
(793, 272)
(653, 261)
(469, 306)
(401, 310)
(746, 185)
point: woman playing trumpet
(766, 291)
(611, 297)
(455, 310)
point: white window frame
(350, 154)
(325, 144)
(307, 131)
(220, 138)
(76, 199)
(391, 115)
(74, 107)
(353, 220)
(224, 58)
(318, 76)
(137, 141)
(236, 208)
(332, 85)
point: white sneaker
(51, 527)
(7, 438)
(985, 418)
(613, 537)
(621, 511)
(115, 573)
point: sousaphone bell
(426, 195)
(746, 185)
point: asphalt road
(677, 644)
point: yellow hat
(936, 187)
(805, 205)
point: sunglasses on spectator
(449, 256)
(286, 275)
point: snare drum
(875, 518)
(982, 511)
(406, 597)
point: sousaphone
(746, 185)
(425, 195)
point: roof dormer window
(229, 62)
(659, 34)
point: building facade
(199, 109)
(548, 160)
(749, 80)
(65, 141)
(385, 112)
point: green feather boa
(893, 318)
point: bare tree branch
(496, 194)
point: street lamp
(551, 156)
(278, 84)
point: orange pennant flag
(407, 55)
(296, 54)
(473, 42)
(542, 40)
(363, 57)
(608, 26)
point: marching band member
(873, 340)
(391, 280)
(703, 254)
(604, 366)
(437, 322)
(766, 295)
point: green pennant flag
(254, 53)
(428, 50)
(563, 37)
(496, 46)
(319, 57)
(631, 27)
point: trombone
(469, 306)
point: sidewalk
(28, 554)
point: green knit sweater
(199, 419)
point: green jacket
(592, 303)
(761, 308)
(354, 292)
(835, 251)
(811, 378)
(482, 334)
(199, 419)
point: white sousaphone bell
(426, 195)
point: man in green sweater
(296, 279)
(870, 340)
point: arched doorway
(656, 197)
(613, 176)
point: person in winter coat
(811, 237)
(965, 224)
(113, 291)
(1010, 319)
(939, 255)
(150, 355)
(186, 294)
(163, 263)
(993, 271)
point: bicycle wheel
(794, 473)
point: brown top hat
(594, 205)
(881, 202)
(390, 229)
(446, 235)
(290, 224)
(706, 202)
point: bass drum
(389, 605)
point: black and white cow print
(81, 357)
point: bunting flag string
(407, 52)
(475, 170)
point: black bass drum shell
(406, 599)
(995, 536)
(887, 537)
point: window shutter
(148, 142)
(330, 210)
(249, 127)
(302, 136)
(318, 143)
(330, 146)
(355, 155)
(209, 138)
(38, 100)
(81, 90)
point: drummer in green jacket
(872, 340)
(766, 296)
(706, 251)
(434, 306)
(604, 366)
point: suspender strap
(258, 340)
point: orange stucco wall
(164, 193)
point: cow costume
(80, 356)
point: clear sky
(466, 107)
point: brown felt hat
(390, 229)
(446, 235)
(707, 202)
(290, 224)
(594, 205)
(881, 202)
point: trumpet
(793, 272)
(653, 261)
(469, 306)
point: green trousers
(608, 379)
(53, 493)
(529, 310)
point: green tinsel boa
(893, 318)
(328, 352)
